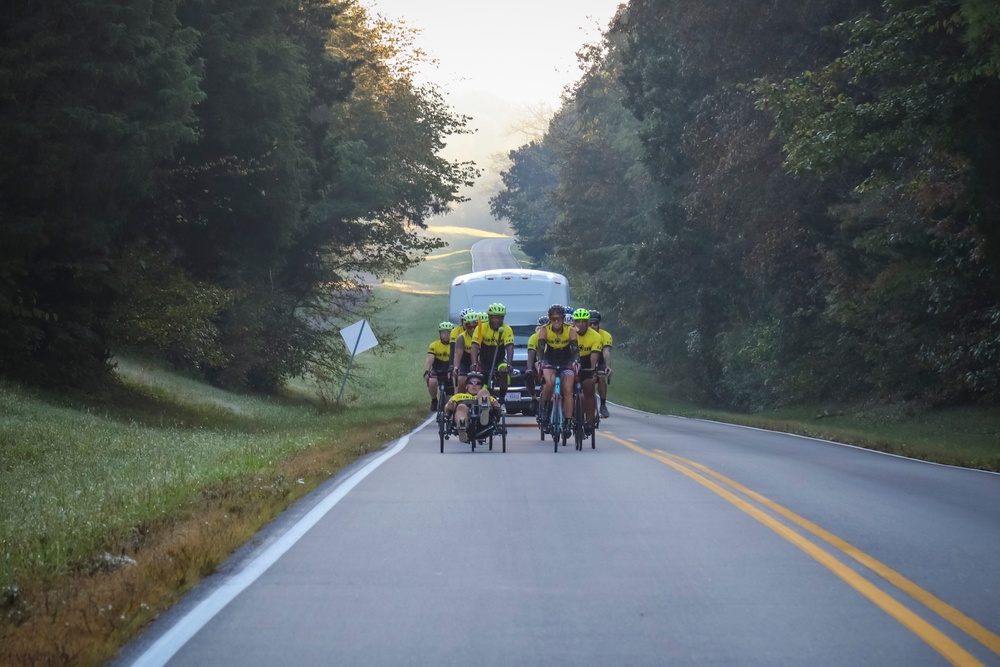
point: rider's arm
(428, 364)
(459, 349)
(474, 356)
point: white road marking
(188, 626)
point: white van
(527, 294)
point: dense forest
(206, 180)
(777, 202)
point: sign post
(363, 339)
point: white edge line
(183, 630)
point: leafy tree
(93, 94)
(906, 110)
(525, 200)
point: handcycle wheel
(441, 417)
(503, 433)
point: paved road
(652, 549)
(493, 254)
(675, 541)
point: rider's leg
(589, 400)
(483, 398)
(432, 389)
(550, 380)
(462, 421)
(567, 393)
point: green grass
(82, 477)
(75, 473)
(965, 436)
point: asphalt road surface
(674, 542)
(493, 254)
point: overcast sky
(523, 51)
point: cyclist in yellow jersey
(604, 365)
(457, 330)
(462, 359)
(559, 352)
(493, 348)
(533, 369)
(457, 408)
(590, 352)
(436, 364)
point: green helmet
(496, 309)
(471, 316)
(483, 317)
(581, 314)
(446, 326)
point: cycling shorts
(560, 368)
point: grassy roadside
(963, 436)
(112, 507)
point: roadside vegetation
(783, 203)
(113, 505)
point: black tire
(556, 420)
(578, 420)
(503, 433)
(441, 429)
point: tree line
(783, 201)
(207, 181)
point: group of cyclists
(479, 351)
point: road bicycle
(578, 418)
(555, 424)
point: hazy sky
(499, 62)
(522, 51)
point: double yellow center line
(950, 650)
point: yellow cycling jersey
(466, 396)
(605, 338)
(557, 344)
(533, 341)
(589, 342)
(441, 352)
(467, 338)
(491, 337)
